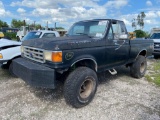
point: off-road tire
(11, 70)
(139, 67)
(80, 87)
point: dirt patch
(118, 97)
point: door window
(110, 34)
(118, 29)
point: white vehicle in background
(156, 40)
(155, 35)
(23, 31)
(154, 30)
(10, 49)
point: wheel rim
(86, 88)
(142, 67)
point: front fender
(85, 57)
(10, 53)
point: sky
(65, 12)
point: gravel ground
(118, 97)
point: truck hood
(156, 40)
(6, 42)
(64, 43)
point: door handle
(116, 43)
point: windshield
(155, 36)
(89, 28)
(31, 35)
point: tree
(57, 28)
(147, 34)
(36, 26)
(139, 21)
(134, 24)
(140, 33)
(3, 24)
(17, 23)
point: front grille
(34, 54)
(157, 45)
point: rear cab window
(48, 35)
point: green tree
(57, 28)
(36, 26)
(147, 34)
(134, 24)
(16, 23)
(139, 21)
(140, 33)
(3, 24)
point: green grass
(157, 79)
(156, 66)
(148, 78)
(154, 75)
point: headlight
(22, 49)
(1, 56)
(54, 56)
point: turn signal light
(57, 56)
(1, 56)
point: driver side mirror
(123, 36)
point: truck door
(117, 50)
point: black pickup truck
(89, 47)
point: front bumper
(2, 62)
(34, 74)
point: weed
(157, 79)
(157, 66)
(154, 74)
(149, 79)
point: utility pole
(55, 26)
(24, 22)
(34, 25)
(47, 25)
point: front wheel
(11, 70)
(80, 87)
(139, 67)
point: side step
(113, 71)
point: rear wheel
(139, 67)
(80, 87)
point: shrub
(10, 35)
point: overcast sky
(66, 12)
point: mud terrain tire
(80, 87)
(11, 70)
(139, 67)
